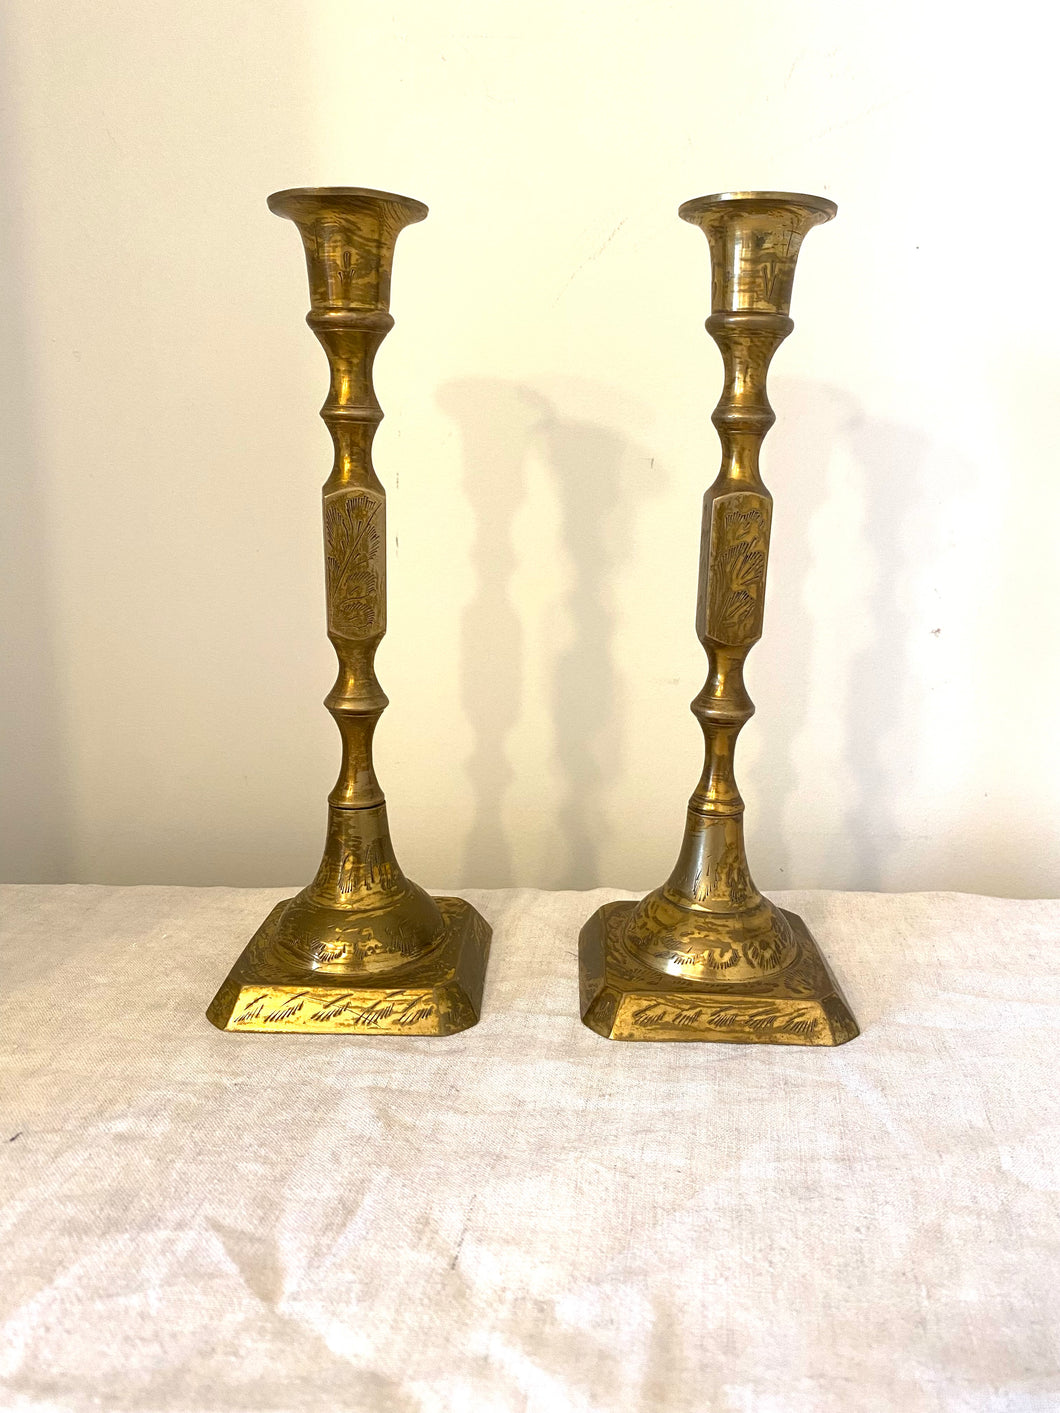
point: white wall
(548, 389)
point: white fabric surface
(526, 1216)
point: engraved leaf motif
(287, 1011)
(414, 1017)
(740, 572)
(252, 1010)
(745, 566)
(763, 953)
(339, 1006)
(354, 548)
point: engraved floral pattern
(354, 549)
(739, 546)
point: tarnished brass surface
(706, 956)
(362, 948)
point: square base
(622, 999)
(438, 994)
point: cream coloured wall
(547, 389)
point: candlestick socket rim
(301, 201)
(820, 207)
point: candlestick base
(439, 993)
(622, 999)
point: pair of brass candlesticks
(704, 957)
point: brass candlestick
(361, 949)
(706, 956)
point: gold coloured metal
(706, 956)
(361, 950)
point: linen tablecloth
(526, 1216)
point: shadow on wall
(35, 842)
(835, 472)
(824, 459)
(602, 483)
(497, 423)
(795, 459)
(1019, 630)
(593, 467)
(880, 715)
(863, 510)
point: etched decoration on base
(622, 999)
(437, 994)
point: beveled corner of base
(439, 994)
(622, 999)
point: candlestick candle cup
(361, 950)
(706, 956)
